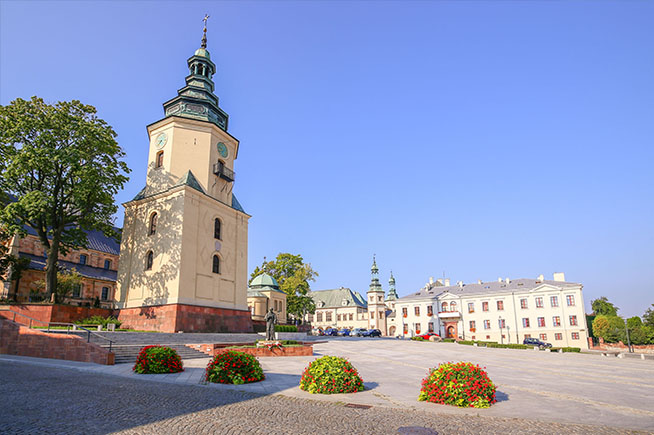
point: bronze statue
(271, 319)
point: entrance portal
(450, 332)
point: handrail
(88, 335)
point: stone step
(128, 354)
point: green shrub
(485, 343)
(571, 349)
(98, 320)
(466, 342)
(158, 359)
(285, 328)
(233, 367)
(331, 375)
(417, 338)
(460, 384)
(448, 340)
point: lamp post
(501, 335)
(627, 331)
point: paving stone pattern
(70, 401)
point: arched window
(452, 306)
(153, 224)
(444, 306)
(216, 229)
(216, 264)
(159, 160)
(148, 260)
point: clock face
(222, 149)
(161, 140)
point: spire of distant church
(204, 32)
(392, 293)
(375, 286)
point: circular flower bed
(331, 375)
(460, 384)
(233, 367)
(158, 359)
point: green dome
(203, 52)
(264, 280)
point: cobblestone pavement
(57, 400)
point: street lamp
(628, 340)
(501, 336)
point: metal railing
(223, 171)
(68, 325)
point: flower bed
(460, 384)
(232, 367)
(158, 359)
(331, 375)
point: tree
(67, 281)
(62, 164)
(610, 328)
(293, 277)
(648, 317)
(604, 307)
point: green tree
(67, 281)
(648, 317)
(604, 307)
(609, 328)
(62, 163)
(293, 277)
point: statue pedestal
(268, 343)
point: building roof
(38, 263)
(262, 283)
(493, 287)
(96, 240)
(337, 298)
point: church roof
(189, 180)
(335, 298)
(262, 283)
(38, 263)
(96, 240)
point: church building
(183, 253)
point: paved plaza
(538, 392)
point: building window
(554, 301)
(406, 329)
(444, 307)
(105, 293)
(525, 322)
(216, 229)
(523, 304)
(527, 335)
(417, 310)
(148, 260)
(573, 321)
(452, 306)
(486, 324)
(153, 224)
(556, 321)
(319, 317)
(471, 307)
(558, 336)
(541, 322)
(82, 259)
(501, 323)
(381, 314)
(338, 318)
(328, 316)
(430, 310)
(570, 299)
(380, 299)
(107, 264)
(500, 305)
(473, 326)
(539, 302)
(351, 316)
(216, 264)
(159, 160)
(416, 327)
(543, 337)
(484, 306)
(77, 290)
(575, 336)
(404, 311)
(430, 327)
(372, 315)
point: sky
(465, 139)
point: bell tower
(376, 305)
(183, 259)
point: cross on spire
(204, 31)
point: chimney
(559, 276)
(540, 278)
(499, 279)
(507, 280)
(479, 281)
(431, 280)
(447, 282)
(440, 281)
(459, 283)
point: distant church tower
(392, 293)
(376, 305)
(183, 256)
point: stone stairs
(128, 353)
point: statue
(271, 319)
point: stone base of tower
(186, 318)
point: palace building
(183, 254)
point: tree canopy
(293, 277)
(62, 167)
(648, 317)
(602, 306)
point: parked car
(344, 332)
(357, 332)
(536, 342)
(317, 331)
(428, 335)
(372, 333)
(331, 331)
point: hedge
(566, 349)
(285, 328)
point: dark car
(358, 332)
(331, 331)
(372, 333)
(536, 342)
(344, 332)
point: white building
(505, 311)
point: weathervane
(204, 31)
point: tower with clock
(376, 304)
(183, 257)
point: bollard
(642, 356)
(621, 355)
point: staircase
(128, 353)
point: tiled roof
(38, 263)
(334, 298)
(236, 205)
(96, 240)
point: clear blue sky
(475, 139)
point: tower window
(148, 260)
(159, 160)
(107, 264)
(216, 264)
(82, 259)
(216, 229)
(153, 224)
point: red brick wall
(187, 318)
(643, 348)
(215, 349)
(16, 339)
(54, 313)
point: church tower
(392, 293)
(183, 256)
(376, 305)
